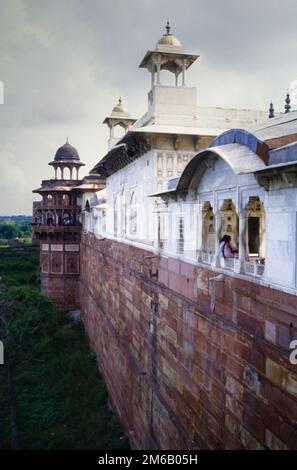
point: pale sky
(64, 63)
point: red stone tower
(57, 227)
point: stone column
(200, 230)
(71, 169)
(153, 74)
(77, 169)
(158, 70)
(184, 73)
(176, 79)
(218, 220)
(242, 239)
(62, 173)
(55, 173)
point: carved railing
(205, 257)
(253, 268)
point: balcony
(40, 228)
(251, 268)
(49, 205)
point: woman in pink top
(225, 248)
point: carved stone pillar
(201, 214)
(158, 70)
(184, 73)
(153, 74)
(218, 219)
(242, 239)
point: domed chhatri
(66, 152)
(169, 54)
(118, 117)
(168, 39)
(119, 108)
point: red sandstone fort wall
(188, 365)
(62, 291)
(59, 263)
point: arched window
(229, 221)
(50, 220)
(255, 230)
(208, 229)
(65, 200)
(87, 207)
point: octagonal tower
(57, 228)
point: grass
(61, 397)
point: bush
(61, 398)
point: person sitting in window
(226, 249)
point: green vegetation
(15, 227)
(51, 394)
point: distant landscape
(15, 229)
(51, 394)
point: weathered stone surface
(179, 375)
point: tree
(10, 358)
(19, 326)
(8, 230)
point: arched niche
(255, 229)
(229, 221)
(65, 200)
(50, 218)
(87, 206)
(208, 228)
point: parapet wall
(189, 363)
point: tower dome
(66, 152)
(168, 39)
(119, 108)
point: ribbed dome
(168, 39)
(119, 108)
(66, 152)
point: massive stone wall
(59, 263)
(63, 291)
(188, 363)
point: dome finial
(271, 111)
(168, 39)
(168, 27)
(67, 140)
(287, 103)
(119, 108)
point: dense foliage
(60, 398)
(15, 227)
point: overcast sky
(64, 63)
